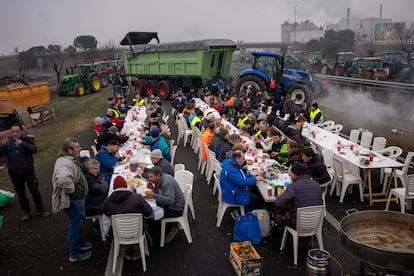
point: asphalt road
(39, 247)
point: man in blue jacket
(108, 156)
(238, 187)
(302, 192)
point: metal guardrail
(379, 85)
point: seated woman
(98, 188)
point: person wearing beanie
(316, 166)
(223, 137)
(315, 114)
(302, 192)
(158, 142)
(158, 160)
(124, 201)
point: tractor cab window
(266, 64)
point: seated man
(109, 135)
(123, 201)
(293, 153)
(316, 167)
(233, 140)
(158, 160)
(108, 156)
(315, 115)
(279, 147)
(234, 182)
(302, 192)
(168, 194)
(98, 188)
(158, 142)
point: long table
(324, 139)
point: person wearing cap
(316, 115)
(109, 135)
(197, 119)
(227, 147)
(70, 188)
(124, 201)
(158, 160)
(302, 192)
(316, 166)
(158, 142)
(108, 156)
(168, 194)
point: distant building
(300, 32)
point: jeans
(20, 180)
(76, 216)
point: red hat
(120, 182)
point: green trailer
(157, 69)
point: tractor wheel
(104, 80)
(300, 93)
(164, 89)
(150, 87)
(79, 89)
(95, 84)
(254, 81)
(140, 86)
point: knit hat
(156, 154)
(299, 169)
(223, 132)
(155, 133)
(120, 182)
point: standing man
(70, 188)
(19, 151)
(167, 192)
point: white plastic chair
(401, 174)
(327, 124)
(171, 143)
(379, 143)
(354, 136)
(101, 227)
(85, 153)
(336, 129)
(185, 177)
(309, 223)
(366, 139)
(202, 164)
(325, 188)
(222, 206)
(182, 220)
(172, 153)
(179, 167)
(183, 130)
(404, 194)
(94, 150)
(327, 155)
(346, 179)
(217, 170)
(211, 162)
(128, 229)
(392, 152)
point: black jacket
(19, 157)
(105, 138)
(317, 169)
(223, 151)
(98, 191)
(126, 202)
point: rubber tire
(150, 87)
(140, 86)
(164, 89)
(252, 80)
(95, 80)
(79, 89)
(306, 91)
(104, 80)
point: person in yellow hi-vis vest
(316, 114)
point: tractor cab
(371, 68)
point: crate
(246, 267)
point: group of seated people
(279, 138)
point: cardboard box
(250, 264)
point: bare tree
(56, 61)
(406, 40)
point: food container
(245, 259)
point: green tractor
(81, 78)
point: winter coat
(302, 192)
(123, 201)
(168, 193)
(317, 169)
(165, 166)
(107, 160)
(98, 192)
(159, 143)
(224, 150)
(19, 157)
(234, 183)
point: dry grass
(74, 115)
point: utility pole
(295, 22)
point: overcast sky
(27, 23)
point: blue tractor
(393, 63)
(267, 74)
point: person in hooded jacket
(316, 166)
(124, 201)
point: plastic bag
(5, 197)
(247, 228)
(264, 221)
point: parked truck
(157, 69)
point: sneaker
(172, 234)
(85, 246)
(81, 256)
(44, 214)
(235, 214)
(26, 217)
